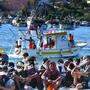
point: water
(82, 34)
(9, 34)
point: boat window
(63, 37)
(50, 42)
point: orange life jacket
(30, 45)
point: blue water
(82, 34)
(9, 34)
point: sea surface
(9, 34)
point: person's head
(31, 65)
(71, 66)
(70, 59)
(5, 68)
(76, 69)
(78, 61)
(20, 66)
(60, 61)
(11, 65)
(33, 58)
(52, 66)
(20, 37)
(66, 63)
(46, 62)
(70, 34)
(31, 61)
(4, 62)
(30, 38)
(25, 55)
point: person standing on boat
(19, 41)
(17, 48)
(71, 40)
(31, 43)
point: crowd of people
(51, 75)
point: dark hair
(45, 59)
(60, 61)
(32, 60)
(25, 54)
(20, 63)
(20, 37)
(78, 61)
(71, 66)
(70, 59)
(32, 63)
(4, 62)
(11, 64)
(5, 68)
(53, 63)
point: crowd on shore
(25, 75)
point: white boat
(81, 44)
(61, 47)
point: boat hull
(50, 53)
(60, 53)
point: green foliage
(76, 9)
(87, 16)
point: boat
(85, 23)
(19, 22)
(61, 47)
(81, 44)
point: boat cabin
(56, 40)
